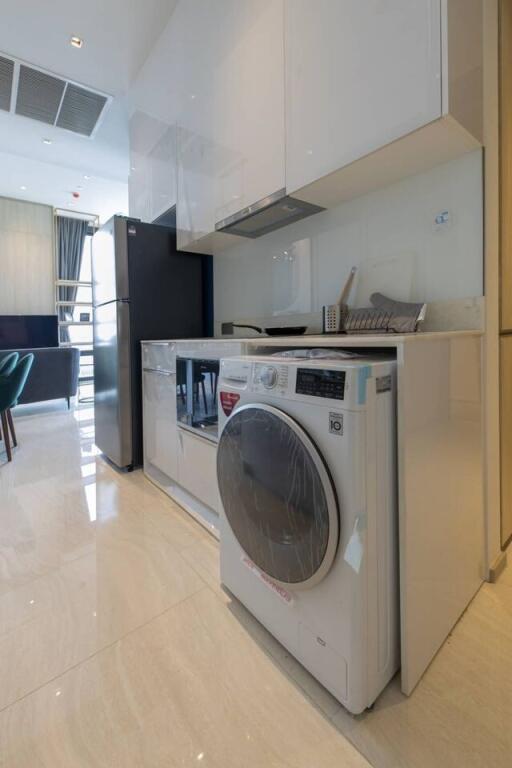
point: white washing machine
(307, 477)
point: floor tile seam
(102, 649)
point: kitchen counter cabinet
(181, 462)
(440, 478)
(440, 475)
(197, 468)
(159, 409)
(441, 495)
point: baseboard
(497, 567)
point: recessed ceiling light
(23, 188)
(47, 141)
(76, 42)
(87, 178)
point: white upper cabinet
(250, 109)
(361, 75)
(154, 103)
(324, 100)
(139, 181)
(152, 179)
(231, 127)
(197, 25)
(162, 161)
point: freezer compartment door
(110, 279)
(112, 382)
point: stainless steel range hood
(273, 212)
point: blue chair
(11, 387)
(8, 363)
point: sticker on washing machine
(383, 384)
(353, 554)
(336, 424)
(228, 400)
(279, 591)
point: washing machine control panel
(270, 377)
(321, 383)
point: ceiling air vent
(80, 110)
(6, 77)
(48, 98)
(39, 95)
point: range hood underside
(273, 212)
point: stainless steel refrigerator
(143, 288)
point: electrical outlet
(443, 221)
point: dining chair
(11, 387)
(8, 363)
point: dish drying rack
(385, 316)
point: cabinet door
(159, 422)
(162, 161)
(152, 179)
(199, 22)
(159, 355)
(250, 119)
(197, 468)
(358, 76)
(139, 187)
(506, 437)
(154, 102)
(506, 164)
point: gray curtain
(71, 235)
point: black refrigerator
(143, 289)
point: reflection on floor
(118, 648)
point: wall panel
(27, 270)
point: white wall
(27, 272)
(390, 235)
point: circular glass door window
(278, 496)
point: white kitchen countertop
(332, 340)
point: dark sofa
(54, 373)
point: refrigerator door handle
(159, 371)
(112, 301)
(125, 386)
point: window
(74, 308)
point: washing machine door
(278, 495)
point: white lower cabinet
(159, 415)
(183, 464)
(197, 468)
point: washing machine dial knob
(268, 377)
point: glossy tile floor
(118, 648)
